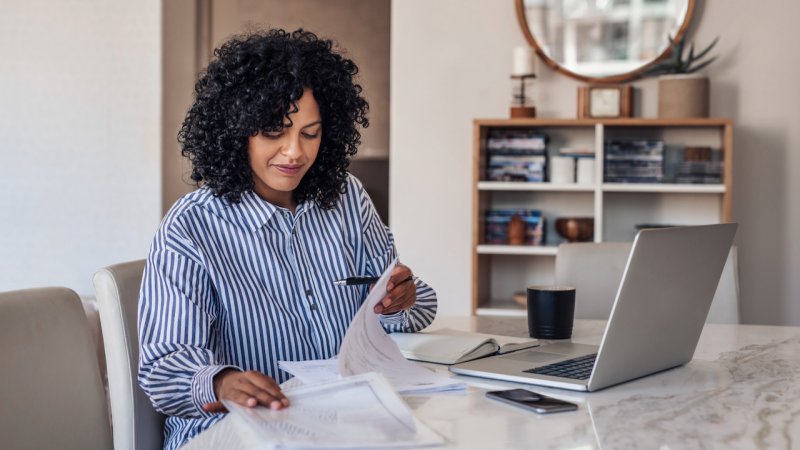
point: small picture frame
(605, 102)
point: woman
(240, 273)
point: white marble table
(741, 390)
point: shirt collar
(256, 212)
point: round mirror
(606, 41)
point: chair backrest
(595, 270)
(137, 425)
(51, 394)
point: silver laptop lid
(662, 301)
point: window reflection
(603, 37)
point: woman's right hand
(249, 389)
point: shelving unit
(500, 270)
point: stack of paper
(418, 380)
(350, 401)
(356, 412)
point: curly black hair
(250, 87)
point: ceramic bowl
(575, 229)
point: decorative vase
(683, 96)
(516, 230)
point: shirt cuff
(398, 318)
(203, 385)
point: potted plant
(682, 92)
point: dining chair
(51, 395)
(595, 269)
(136, 424)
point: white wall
(450, 64)
(79, 138)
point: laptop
(655, 323)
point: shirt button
(313, 306)
(309, 292)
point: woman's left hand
(401, 292)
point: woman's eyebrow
(312, 124)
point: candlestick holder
(519, 102)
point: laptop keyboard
(577, 368)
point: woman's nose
(292, 147)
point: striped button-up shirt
(249, 284)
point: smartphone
(538, 403)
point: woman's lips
(287, 169)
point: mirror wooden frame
(623, 77)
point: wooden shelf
(517, 250)
(616, 215)
(630, 122)
(665, 188)
(606, 187)
(525, 186)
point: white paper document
(356, 412)
(326, 370)
(314, 371)
(367, 348)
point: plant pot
(682, 96)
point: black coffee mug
(551, 310)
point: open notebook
(448, 346)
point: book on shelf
(507, 139)
(516, 155)
(699, 172)
(447, 346)
(634, 161)
(529, 168)
(498, 220)
(693, 165)
(651, 161)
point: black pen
(353, 281)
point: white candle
(523, 60)
(585, 171)
(562, 169)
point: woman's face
(280, 159)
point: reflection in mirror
(596, 39)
